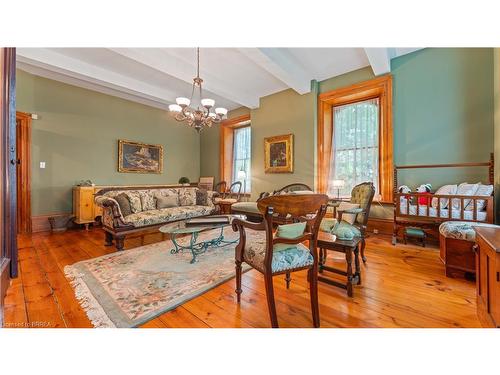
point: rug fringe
(89, 304)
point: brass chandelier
(201, 117)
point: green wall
(442, 113)
(77, 134)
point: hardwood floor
(403, 286)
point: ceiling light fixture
(201, 117)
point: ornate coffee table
(179, 228)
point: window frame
(380, 88)
(227, 128)
(244, 126)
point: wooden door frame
(24, 171)
(8, 245)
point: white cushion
(465, 189)
(482, 191)
(344, 206)
(444, 190)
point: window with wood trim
(242, 157)
(355, 137)
(235, 152)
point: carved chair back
(308, 208)
(234, 190)
(286, 189)
(221, 187)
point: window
(235, 150)
(355, 151)
(241, 157)
(355, 138)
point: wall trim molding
(41, 223)
(384, 226)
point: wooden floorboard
(403, 286)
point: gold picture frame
(136, 157)
(278, 154)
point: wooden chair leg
(363, 244)
(313, 290)
(268, 280)
(288, 279)
(238, 281)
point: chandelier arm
(198, 63)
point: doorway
(23, 156)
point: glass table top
(180, 227)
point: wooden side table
(225, 207)
(327, 241)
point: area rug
(128, 288)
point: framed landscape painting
(135, 157)
(278, 154)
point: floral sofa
(144, 213)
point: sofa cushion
(187, 196)
(135, 201)
(167, 202)
(201, 197)
(124, 204)
(147, 200)
(166, 215)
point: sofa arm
(112, 215)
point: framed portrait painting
(278, 154)
(135, 157)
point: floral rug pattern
(128, 288)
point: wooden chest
(488, 275)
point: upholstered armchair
(361, 195)
(282, 252)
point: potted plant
(184, 181)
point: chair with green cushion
(282, 252)
(361, 194)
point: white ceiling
(233, 77)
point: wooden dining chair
(228, 197)
(220, 187)
(276, 253)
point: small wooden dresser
(488, 275)
(84, 209)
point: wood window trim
(375, 88)
(23, 130)
(226, 145)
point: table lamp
(338, 184)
